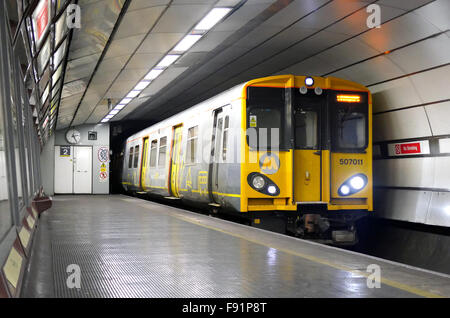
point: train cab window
(191, 145)
(265, 113)
(225, 138)
(349, 122)
(136, 156)
(130, 159)
(153, 149)
(162, 152)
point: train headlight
(353, 184)
(309, 81)
(344, 190)
(263, 184)
(357, 183)
(272, 189)
(258, 182)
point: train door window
(153, 149)
(306, 129)
(136, 156)
(130, 159)
(225, 138)
(162, 152)
(191, 145)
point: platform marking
(389, 282)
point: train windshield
(349, 121)
(265, 117)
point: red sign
(42, 20)
(407, 148)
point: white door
(82, 170)
(63, 169)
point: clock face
(73, 136)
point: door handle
(318, 153)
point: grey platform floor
(128, 247)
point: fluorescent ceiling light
(125, 101)
(119, 107)
(133, 94)
(109, 116)
(113, 112)
(167, 60)
(212, 18)
(105, 120)
(152, 74)
(188, 41)
(142, 84)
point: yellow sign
(269, 163)
(12, 267)
(252, 121)
(103, 168)
(24, 236)
(30, 221)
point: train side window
(130, 159)
(225, 138)
(162, 152)
(153, 149)
(136, 156)
(191, 145)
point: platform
(128, 247)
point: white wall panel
(423, 55)
(439, 116)
(433, 85)
(439, 212)
(405, 172)
(398, 32)
(394, 94)
(402, 124)
(442, 173)
(403, 205)
(436, 13)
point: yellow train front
(308, 156)
(288, 153)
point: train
(286, 153)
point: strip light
(168, 60)
(187, 42)
(153, 74)
(210, 20)
(348, 98)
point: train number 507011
(350, 162)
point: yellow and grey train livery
(289, 153)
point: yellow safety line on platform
(389, 282)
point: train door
(307, 150)
(175, 160)
(144, 163)
(215, 154)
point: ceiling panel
(180, 18)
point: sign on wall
(64, 151)
(103, 157)
(409, 148)
(41, 20)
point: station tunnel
(80, 77)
